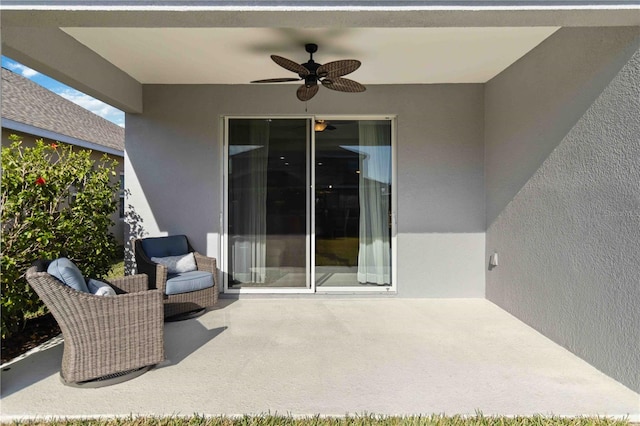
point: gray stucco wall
(563, 194)
(174, 169)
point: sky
(97, 107)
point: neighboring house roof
(30, 108)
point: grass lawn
(117, 270)
(337, 251)
(273, 420)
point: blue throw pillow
(98, 288)
(65, 270)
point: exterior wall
(29, 140)
(174, 157)
(563, 194)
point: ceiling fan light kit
(320, 125)
(329, 74)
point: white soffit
(239, 55)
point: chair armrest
(208, 264)
(205, 263)
(121, 305)
(130, 283)
(161, 277)
(157, 278)
(76, 310)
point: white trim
(394, 203)
(311, 287)
(289, 5)
(393, 288)
(48, 134)
(270, 290)
(383, 289)
(223, 267)
(310, 194)
(312, 205)
(224, 235)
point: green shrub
(56, 201)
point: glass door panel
(353, 204)
(268, 217)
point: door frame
(310, 222)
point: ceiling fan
(329, 74)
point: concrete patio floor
(333, 356)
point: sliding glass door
(268, 209)
(309, 205)
(353, 204)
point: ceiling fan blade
(338, 68)
(276, 80)
(343, 85)
(290, 65)
(305, 93)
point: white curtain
(250, 248)
(374, 254)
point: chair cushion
(67, 272)
(173, 245)
(188, 282)
(177, 264)
(99, 288)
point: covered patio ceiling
(109, 49)
(240, 55)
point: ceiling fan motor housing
(311, 80)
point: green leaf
(44, 221)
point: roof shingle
(29, 103)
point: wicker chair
(183, 305)
(107, 339)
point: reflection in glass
(353, 204)
(267, 208)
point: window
(121, 206)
